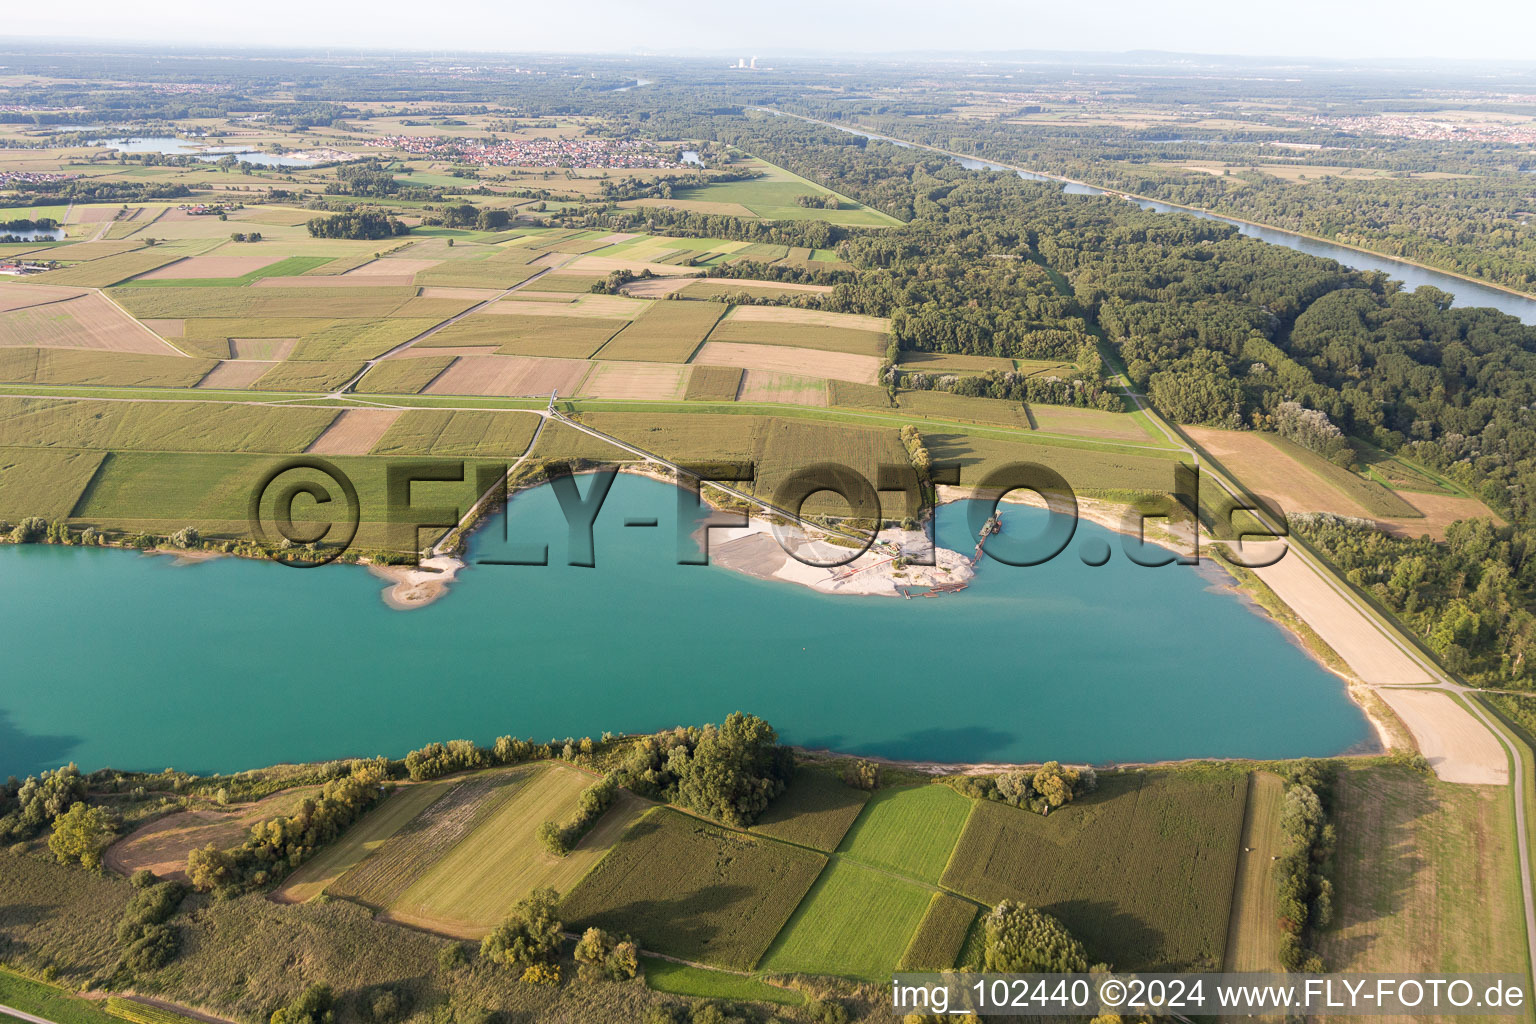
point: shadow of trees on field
(1110, 934)
(685, 925)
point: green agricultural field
(910, 830)
(48, 1002)
(1141, 871)
(723, 287)
(472, 887)
(703, 983)
(964, 365)
(958, 408)
(713, 384)
(854, 923)
(216, 328)
(158, 426)
(787, 446)
(112, 369)
(402, 376)
(255, 303)
(478, 273)
(1087, 470)
(436, 310)
(459, 433)
(386, 874)
(355, 339)
(361, 840)
(813, 336)
(939, 939)
(686, 888)
(680, 437)
(307, 375)
(43, 481)
(668, 332)
(161, 492)
(772, 197)
(816, 810)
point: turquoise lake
(114, 658)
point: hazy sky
(1502, 29)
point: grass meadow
(855, 922)
(43, 482)
(703, 983)
(910, 830)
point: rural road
(19, 1015)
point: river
(1467, 293)
(134, 661)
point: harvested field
(1061, 419)
(208, 267)
(508, 375)
(940, 937)
(336, 281)
(111, 369)
(686, 888)
(1458, 747)
(816, 810)
(601, 266)
(470, 889)
(459, 433)
(270, 349)
(162, 845)
(533, 295)
(713, 383)
(790, 316)
(1253, 936)
(93, 214)
(855, 923)
(1141, 871)
(478, 294)
(392, 266)
(911, 830)
(404, 376)
(656, 287)
(783, 359)
(943, 362)
(1425, 878)
(824, 339)
(166, 328)
(43, 482)
(790, 388)
(20, 296)
(88, 322)
(606, 307)
(1440, 511)
(668, 332)
(1290, 479)
(716, 287)
(380, 879)
(318, 375)
(1340, 625)
(645, 381)
(236, 374)
(360, 841)
(354, 432)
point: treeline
(1472, 598)
(92, 190)
(278, 845)
(1040, 790)
(730, 772)
(1307, 845)
(1084, 390)
(363, 225)
(560, 838)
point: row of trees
(1086, 392)
(1307, 844)
(561, 837)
